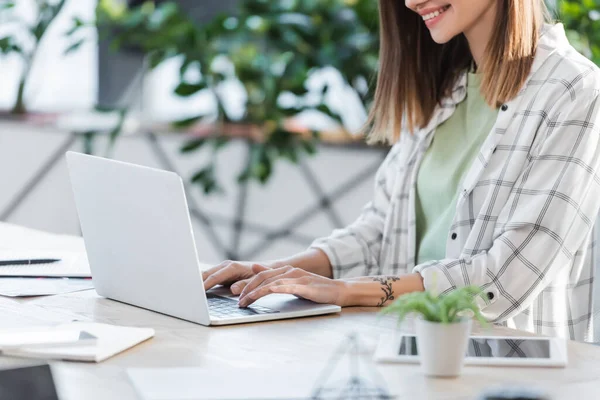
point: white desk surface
(281, 344)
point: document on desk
(29, 287)
(295, 382)
(110, 340)
(71, 264)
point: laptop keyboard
(223, 307)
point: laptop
(141, 249)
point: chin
(441, 37)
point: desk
(280, 343)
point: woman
(492, 179)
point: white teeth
(434, 14)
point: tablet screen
(491, 348)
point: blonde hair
(416, 74)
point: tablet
(483, 350)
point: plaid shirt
(526, 209)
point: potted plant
(444, 327)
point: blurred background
(257, 104)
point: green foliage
(272, 47)
(445, 309)
(26, 38)
(582, 21)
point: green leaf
(57, 8)
(264, 168)
(443, 309)
(188, 89)
(77, 25)
(74, 47)
(309, 146)
(88, 141)
(206, 178)
(8, 44)
(116, 131)
(155, 58)
(6, 5)
(187, 122)
(220, 141)
(327, 111)
(193, 145)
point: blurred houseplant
(443, 329)
(582, 21)
(271, 47)
(24, 38)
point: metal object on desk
(515, 393)
(354, 385)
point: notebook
(71, 264)
(111, 340)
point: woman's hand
(234, 273)
(239, 273)
(294, 281)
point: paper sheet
(211, 382)
(27, 287)
(13, 237)
(72, 264)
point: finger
(262, 291)
(222, 276)
(212, 270)
(258, 268)
(289, 274)
(237, 287)
(262, 276)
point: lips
(431, 14)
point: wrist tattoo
(386, 287)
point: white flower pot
(442, 347)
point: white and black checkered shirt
(526, 208)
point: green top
(455, 145)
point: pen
(28, 262)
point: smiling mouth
(434, 14)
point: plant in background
(444, 309)
(23, 38)
(271, 48)
(582, 21)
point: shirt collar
(552, 39)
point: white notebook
(71, 264)
(111, 340)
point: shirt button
(494, 151)
(454, 236)
(490, 296)
(504, 107)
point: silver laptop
(141, 249)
